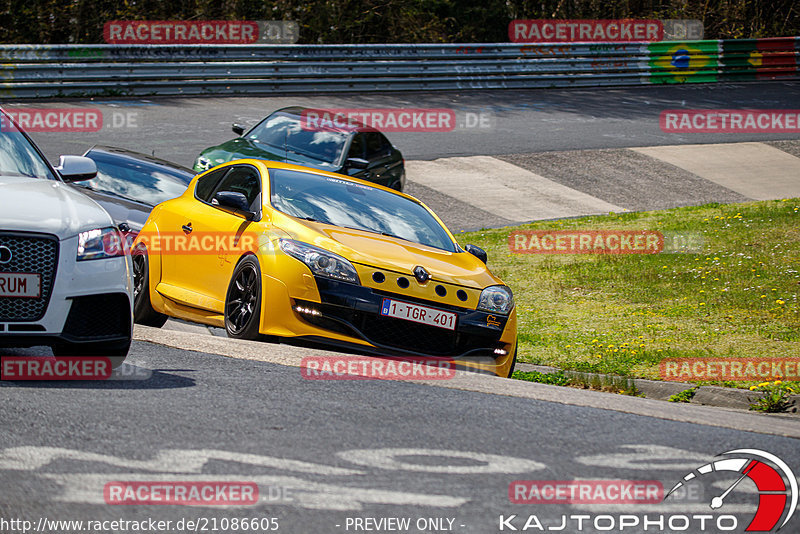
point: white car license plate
(20, 285)
(418, 314)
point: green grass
(623, 314)
(555, 379)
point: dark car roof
(131, 155)
(298, 112)
(131, 211)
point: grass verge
(734, 295)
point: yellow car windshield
(347, 204)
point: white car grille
(30, 253)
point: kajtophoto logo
(769, 473)
(722, 485)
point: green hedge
(388, 21)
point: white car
(64, 275)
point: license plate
(20, 285)
(418, 314)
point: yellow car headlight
(496, 299)
(320, 261)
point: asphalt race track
(516, 122)
(342, 456)
(333, 450)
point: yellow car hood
(398, 255)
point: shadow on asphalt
(125, 377)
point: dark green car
(354, 150)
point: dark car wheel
(243, 301)
(143, 312)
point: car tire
(143, 312)
(116, 361)
(243, 300)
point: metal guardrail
(28, 71)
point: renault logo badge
(5, 255)
(421, 274)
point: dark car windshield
(284, 132)
(18, 157)
(343, 203)
(142, 181)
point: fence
(29, 71)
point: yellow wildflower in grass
(780, 302)
(752, 388)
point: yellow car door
(209, 238)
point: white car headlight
(496, 299)
(100, 243)
(321, 262)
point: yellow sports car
(271, 249)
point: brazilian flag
(684, 62)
